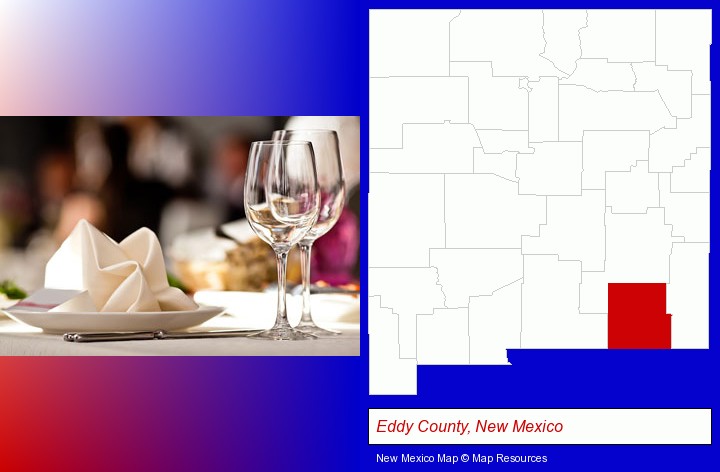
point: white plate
(258, 308)
(65, 322)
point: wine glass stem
(281, 320)
(305, 257)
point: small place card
(50, 299)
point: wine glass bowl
(282, 204)
(330, 175)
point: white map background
(520, 161)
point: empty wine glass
(281, 203)
(331, 181)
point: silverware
(159, 334)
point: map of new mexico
(538, 179)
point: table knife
(148, 335)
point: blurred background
(181, 177)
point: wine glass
(331, 181)
(281, 202)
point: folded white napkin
(125, 277)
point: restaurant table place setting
(94, 283)
(107, 297)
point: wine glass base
(312, 328)
(282, 334)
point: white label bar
(540, 426)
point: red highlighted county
(637, 317)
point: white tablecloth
(20, 340)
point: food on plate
(204, 261)
(250, 266)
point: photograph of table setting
(184, 236)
